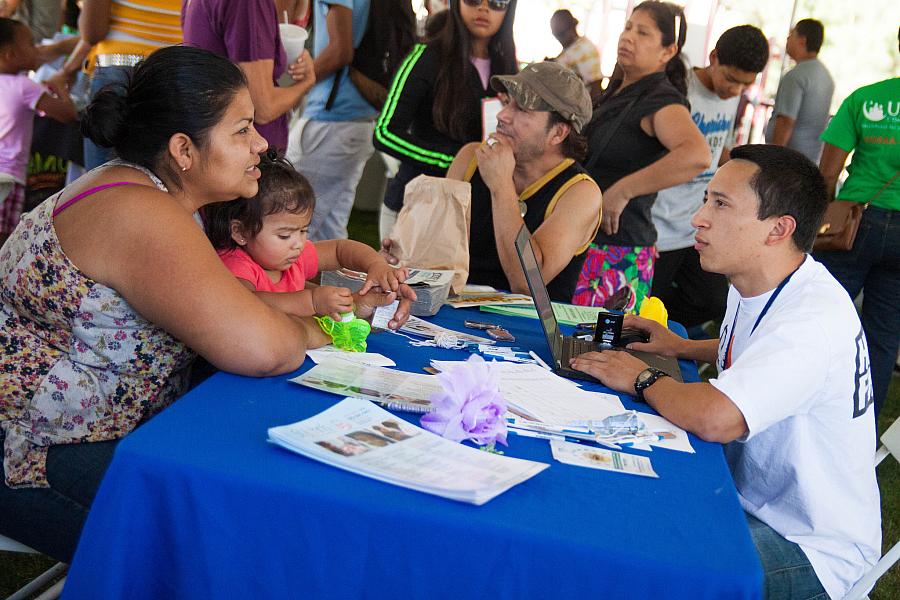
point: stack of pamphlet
(431, 287)
(362, 438)
(397, 390)
(495, 298)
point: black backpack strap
(598, 149)
(336, 84)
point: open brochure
(397, 390)
(362, 438)
(426, 329)
(566, 314)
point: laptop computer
(563, 348)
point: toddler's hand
(382, 275)
(332, 301)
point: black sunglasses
(498, 5)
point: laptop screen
(537, 287)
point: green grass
(363, 226)
(888, 587)
(17, 569)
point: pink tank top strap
(86, 193)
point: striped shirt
(140, 27)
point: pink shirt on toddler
(18, 100)
(293, 280)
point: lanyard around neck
(762, 314)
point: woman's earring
(183, 169)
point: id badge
(490, 107)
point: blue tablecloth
(196, 504)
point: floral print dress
(78, 364)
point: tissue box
(429, 296)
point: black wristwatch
(645, 379)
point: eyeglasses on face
(498, 5)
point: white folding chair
(52, 593)
(890, 445)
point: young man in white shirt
(793, 396)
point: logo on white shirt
(863, 395)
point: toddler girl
(262, 240)
(20, 98)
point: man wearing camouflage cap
(528, 172)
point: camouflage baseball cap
(548, 86)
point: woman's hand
(387, 246)
(615, 199)
(367, 303)
(332, 301)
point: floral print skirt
(609, 269)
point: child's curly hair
(281, 188)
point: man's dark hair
(787, 183)
(744, 47)
(565, 17)
(177, 89)
(575, 145)
(813, 31)
(8, 28)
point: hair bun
(105, 119)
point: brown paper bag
(432, 229)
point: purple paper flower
(470, 406)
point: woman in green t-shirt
(868, 124)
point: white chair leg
(864, 585)
(54, 591)
(40, 581)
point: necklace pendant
(523, 208)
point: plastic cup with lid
(293, 38)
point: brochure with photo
(397, 390)
(362, 438)
(581, 455)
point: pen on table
(641, 441)
(537, 426)
(538, 360)
(543, 436)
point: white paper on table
(659, 424)
(371, 359)
(541, 395)
(471, 288)
(582, 455)
(359, 437)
